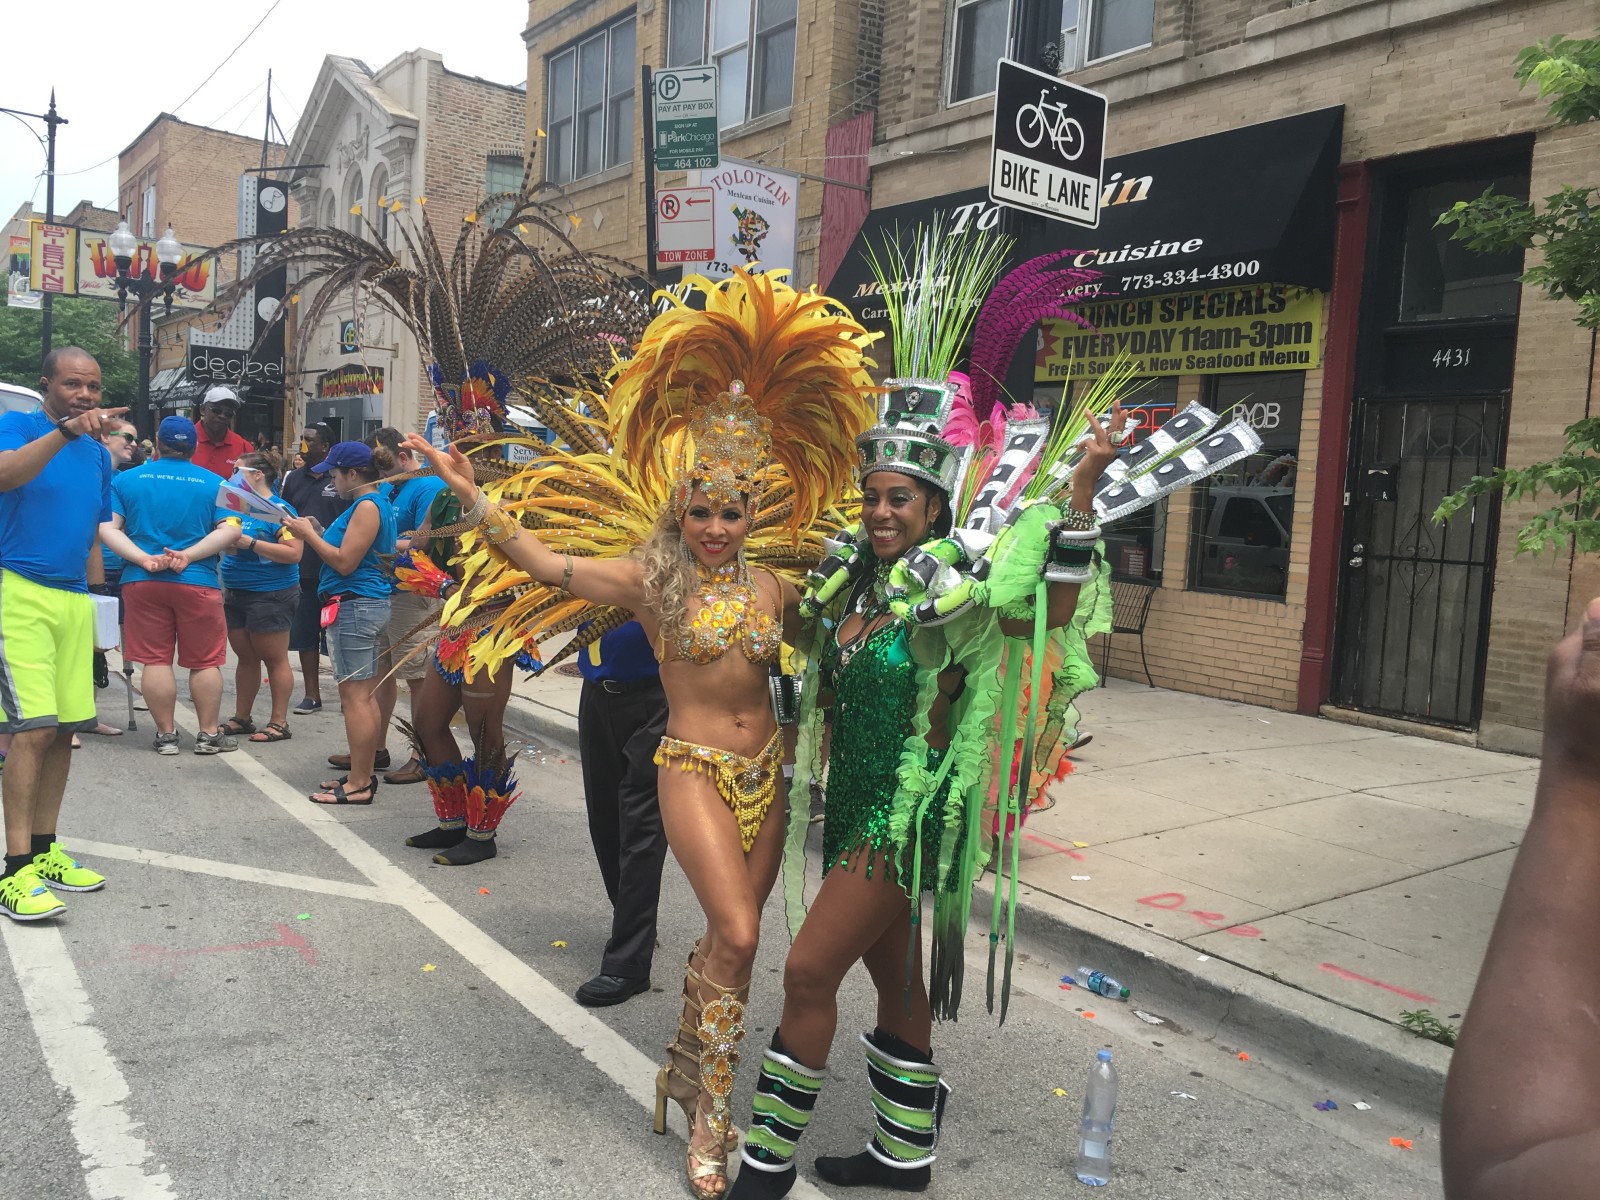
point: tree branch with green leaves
(1566, 233)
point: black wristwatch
(61, 428)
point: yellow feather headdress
(757, 375)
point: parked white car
(18, 399)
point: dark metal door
(1414, 595)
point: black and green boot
(908, 1099)
(786, 1094)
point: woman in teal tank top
(353, 578)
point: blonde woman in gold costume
(716, 622)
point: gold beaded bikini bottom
(746, 784)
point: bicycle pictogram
(1035, 121)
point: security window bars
(1244, 515)
(589, 106)
(751, 43)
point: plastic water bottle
(1101, 984)
(1099, 1109)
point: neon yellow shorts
(46, 656)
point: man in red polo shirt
(220, 447)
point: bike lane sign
(1049, 145)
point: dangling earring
(744, 567)
(683, 549)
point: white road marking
(226, 870)
(82, 1065)
(616, 1057)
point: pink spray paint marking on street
(1049, 845)
(1342, 973)
(1174, 902)
(175, 960)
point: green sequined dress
(875, 699)
(886, 789)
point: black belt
(616, 687)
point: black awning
(1252, 205)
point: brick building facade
(187, 177)
(411, 131)
(1430, 114)
(792, 72)
(1313, 579)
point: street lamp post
(145, 289)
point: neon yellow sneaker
(24, 897)
(60, 870)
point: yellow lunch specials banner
(1267, 327)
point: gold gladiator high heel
(703, 1058)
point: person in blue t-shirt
(622, 715)
(409, 651)
(166, 526)
(55, 488)
(261, 579)
(356, 584)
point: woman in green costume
(901, 714)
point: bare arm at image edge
(1522, 1104)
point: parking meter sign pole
(1049, 145)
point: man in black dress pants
(622, 715)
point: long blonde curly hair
(670, 578)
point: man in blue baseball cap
(166, 524)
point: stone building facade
(410, 133)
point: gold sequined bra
(730, 612)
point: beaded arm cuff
(1073, 519)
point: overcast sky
(110, 85)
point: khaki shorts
(407, 612)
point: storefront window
(1135, 545)
(1442, 278)
(1244, 515)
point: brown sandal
(341, 796)
(273, 731)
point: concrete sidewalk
(1348, 870)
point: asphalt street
(273, 999)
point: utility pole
(647, 132)
(1036, 24)
(51, 120)
(266, 133)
